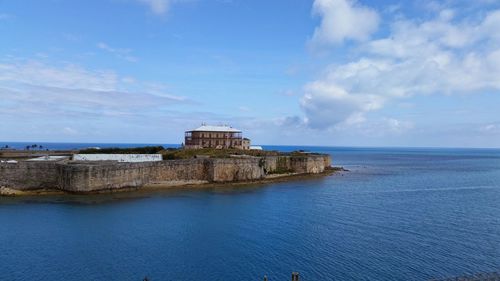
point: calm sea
(399, 214)
(74, 145)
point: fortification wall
(29, 175)
(88, 176)
(93, 176)
(240, 169)
(277, 164)
(311, 164)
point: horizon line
(289, 145)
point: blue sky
(323, 72)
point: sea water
(398, 214)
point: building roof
(256, 147)
(209, 128)
(49, 158)
(118, 157)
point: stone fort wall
(75, 176)
(29, 175)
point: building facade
(215, 137)
(245, 144)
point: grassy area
(170, 154)
(179, 153)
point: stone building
(220, 137)
(246, 143)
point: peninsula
(217, 157)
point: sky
(286, 72)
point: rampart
(88, 176)
(28, 175)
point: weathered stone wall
(277, 164)
(29, 175)
(92, 176)
(241, 169)
(107, 175)
(311, 164)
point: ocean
(75, 145)
(398, 214)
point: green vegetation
(170, 154)
(132, 150)
(179, 153)
(31, 147)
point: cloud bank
(69, 90)
(442, 55)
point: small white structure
(49, 158)
(256, 147)
(94, 147)
(118, 157)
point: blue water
(399, 214)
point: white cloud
(70, 131)
(36, 89)
(342, 20)
(159, 7)
(243, 108)
(375, 128)
(493, 128)
(78, 99)
(72, 37)
(438, 56)
(119, 53)
(287, 93)
(67, 76)
(326, 103)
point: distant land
(45, 167)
